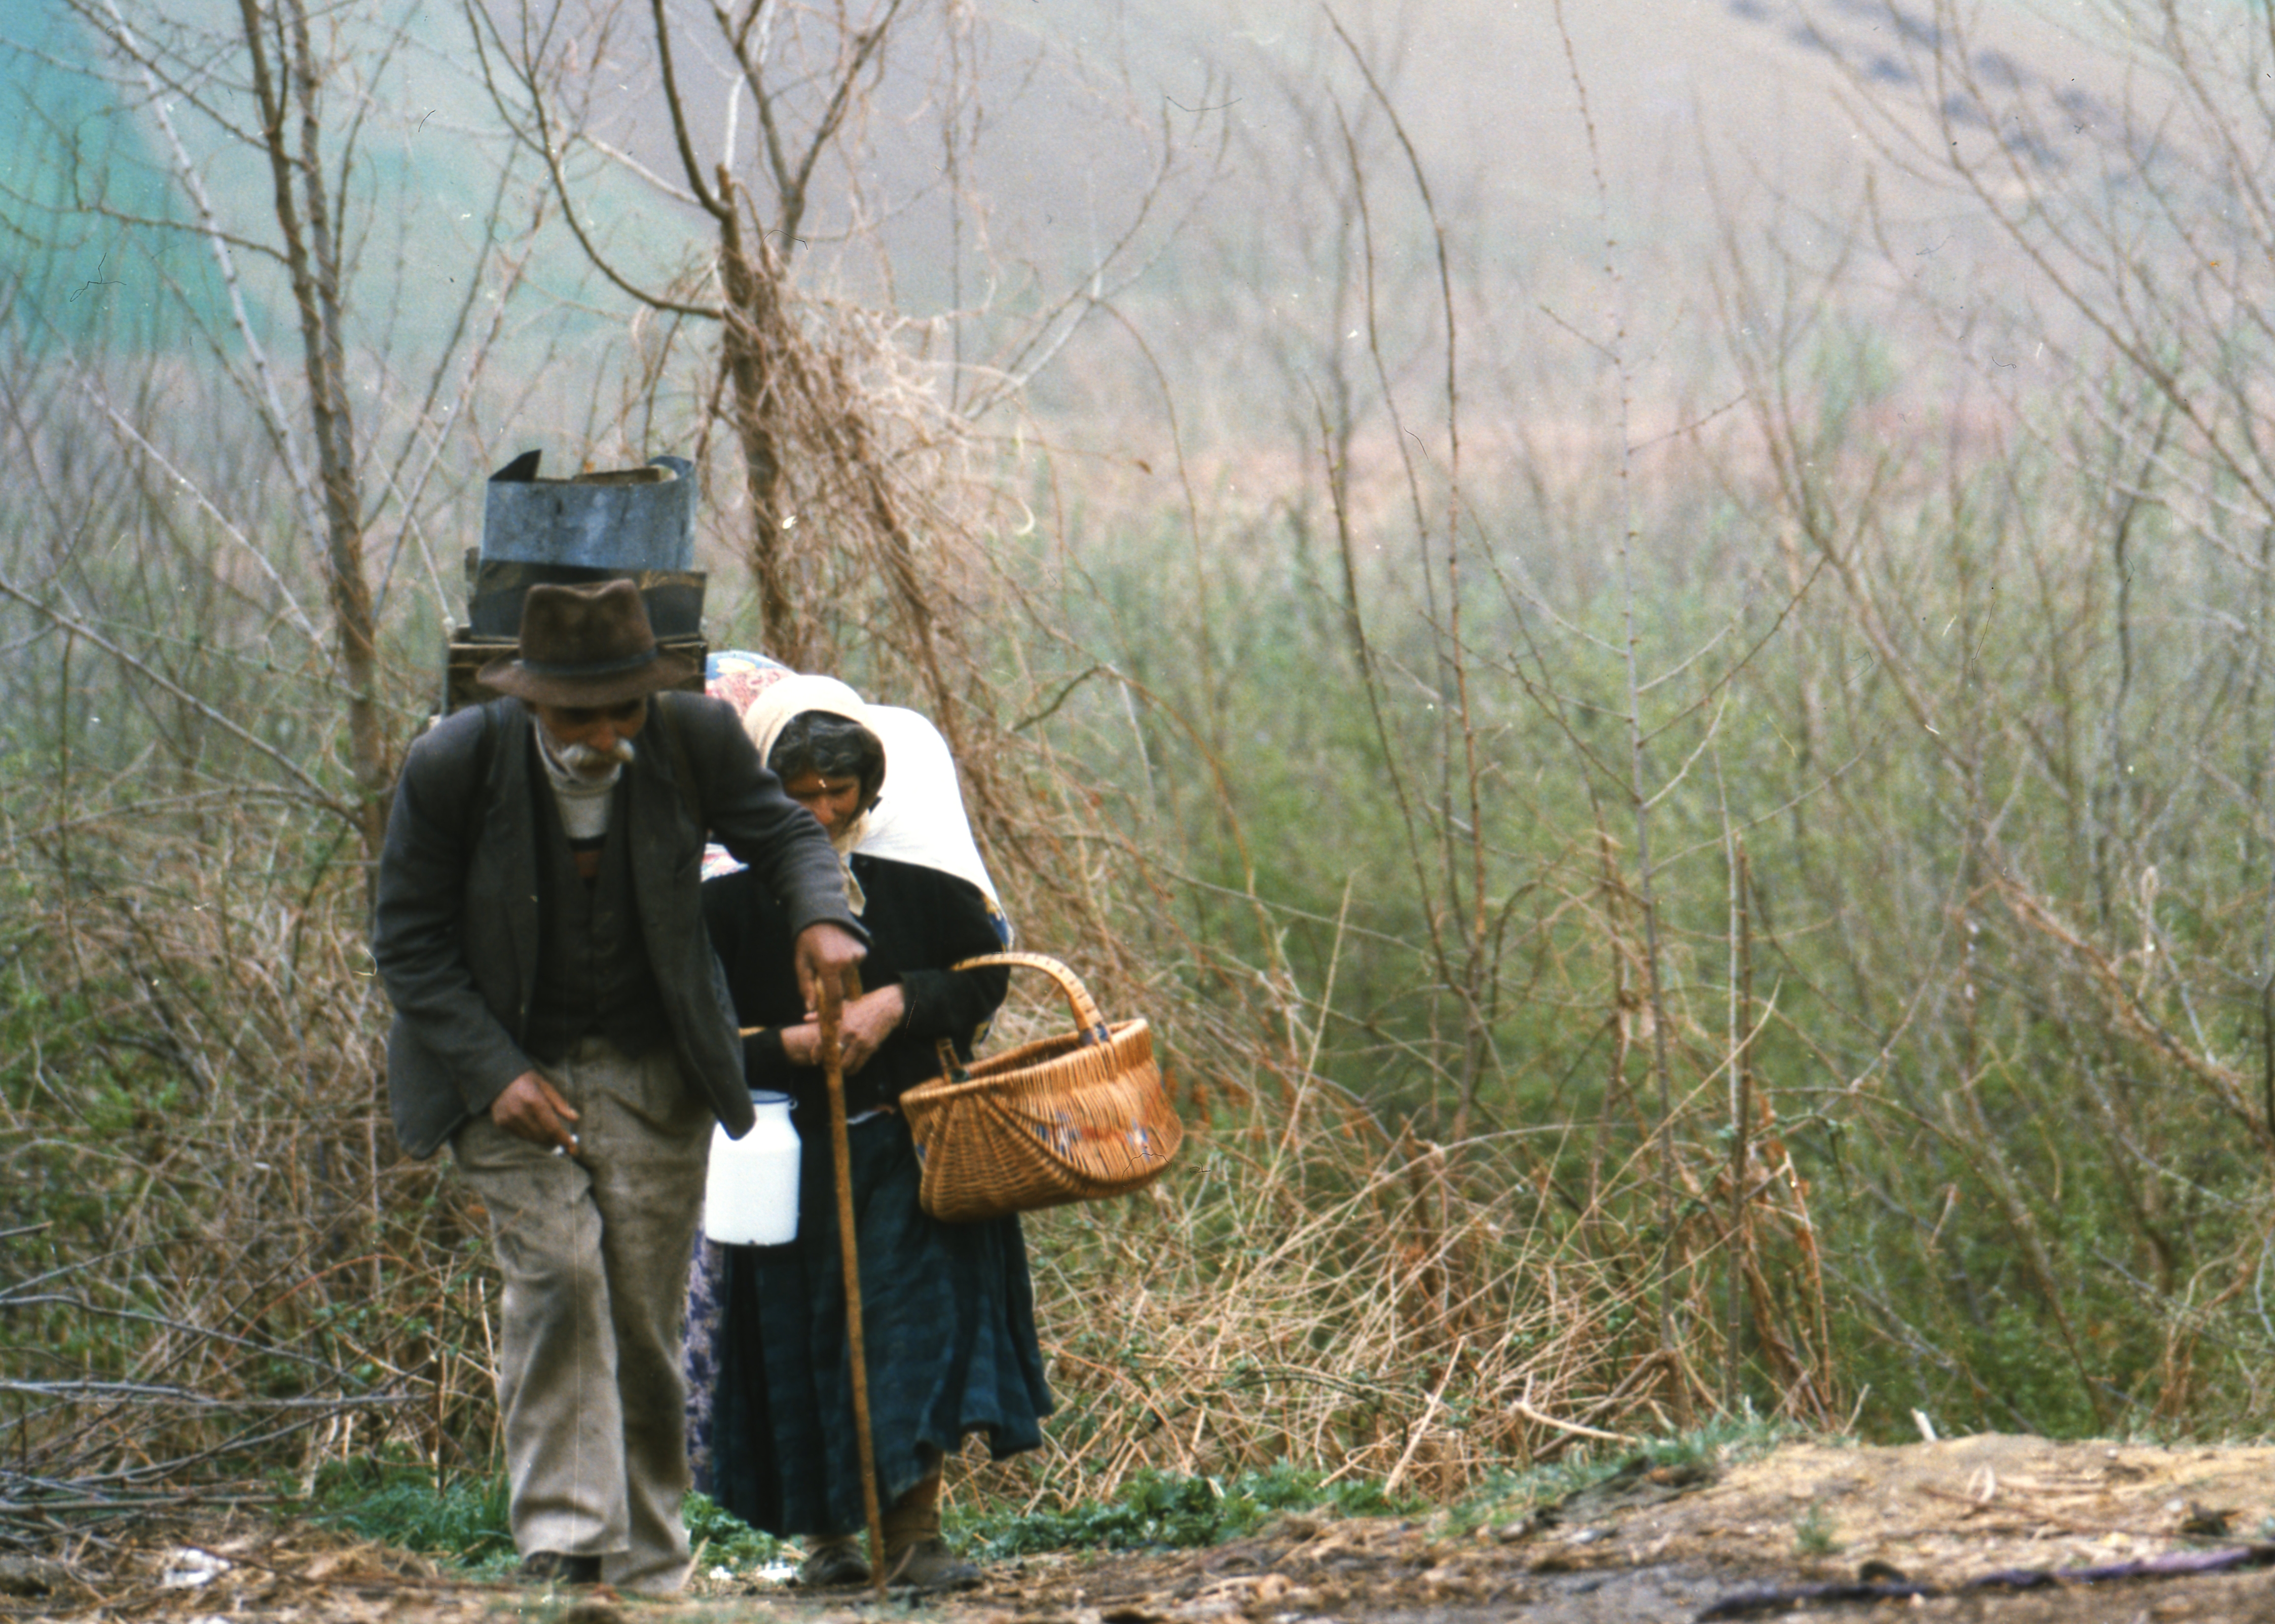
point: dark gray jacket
(455, 928)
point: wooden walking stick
(848, 1249)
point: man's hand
(531, 1109)
(868, 1021)
(827, 956)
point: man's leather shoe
(554, 1568)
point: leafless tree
(306, 95)
(2033, 467)
(847, 441)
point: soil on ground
(2014, 1530)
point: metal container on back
(634, 523)
(621, 520)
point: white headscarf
(775, 711)
(791, 697)
(919, 818)
(923, 821)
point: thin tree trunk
(751, 280)
(312, 258)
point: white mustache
(586, 758)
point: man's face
(594, 739)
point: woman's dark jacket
(921, 920)
(456, 923)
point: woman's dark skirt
(948, 1316)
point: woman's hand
(867, 1022)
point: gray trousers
(594, 1250)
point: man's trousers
(594, 1250)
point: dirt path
(1642, 1548)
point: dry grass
(218, 1269)
(1310, 1286)
(222, 1275)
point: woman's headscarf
(920, 820)
(780, 701)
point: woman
(947, 1310)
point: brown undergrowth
(1314, 1285)
(2012, 1530)
(220, 1274)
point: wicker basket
(1077, 1118)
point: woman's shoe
(833, 1561)
(916, 1557)
(929, 1565)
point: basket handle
(1087, 1020)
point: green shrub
(721, 1536)
(461, 1520)
(1171, 1508)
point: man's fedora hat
(586, 646)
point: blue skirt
(948, 1316)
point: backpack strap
(485, 760)
(682, 767)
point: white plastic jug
(750, 1197)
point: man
(561, 1021)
